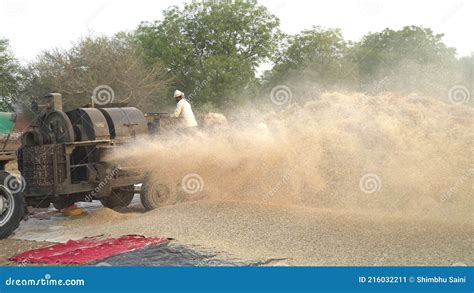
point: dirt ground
(292, 235)
(11, 247)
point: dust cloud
(385, 154)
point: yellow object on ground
(73, 211)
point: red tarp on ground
(85, 251)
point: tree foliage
(213, 50)
(98, 61)
(318, 55)
(10, 77)
(466, 70)
(412, 59)
(221, 43)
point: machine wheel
(154, 196)
(12, 206)
(120, 197)
(58, 126)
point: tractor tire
(12, 205)
(153, 197)
(119, 198)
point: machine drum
(125, 122)
(89, 124)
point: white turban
(178, 94)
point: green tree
(467, 70)
(93, 62)
(219, 44)
(412, 59)
(317, 56)
(10, 77)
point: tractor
(63, 159)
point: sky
(33, 26)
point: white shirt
(183, 110)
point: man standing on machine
(184, 111)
